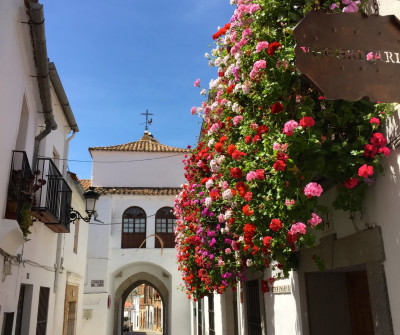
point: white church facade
(134, 243)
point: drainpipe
(66, 153)
(41, 62)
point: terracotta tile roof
(146, 144)
(138, 190)
(86, 183)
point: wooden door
(360, 304)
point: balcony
(52, 198)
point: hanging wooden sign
(350, 55)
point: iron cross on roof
(148, 122)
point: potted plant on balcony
(13, 194)
(20, 198)
(26, 219)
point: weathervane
(148, 122)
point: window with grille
(211, 325)
(200, 304)
(133, 228)
(43, 307)
(165, 224)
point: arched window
(133, 228)
(165, 224)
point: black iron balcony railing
(19, 186)
(52, 199)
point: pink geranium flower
(365, 171)
(261, 46)
(313, 190)
(289, 127)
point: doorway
(338, 303)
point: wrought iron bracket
(75, 215)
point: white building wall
(96, 298)
(137, 169)
(19, 90)
(108, 262)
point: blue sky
(118, 58)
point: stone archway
(132, 282)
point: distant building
(138, 182)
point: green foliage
(269, 142)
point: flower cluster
(269, 141)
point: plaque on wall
(97, 283)
(350, 55)
(88, 314)
(281, 289)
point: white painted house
(42, 273)
(137, 182)
(359, 291)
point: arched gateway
(131, 283)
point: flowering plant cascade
(269, 145)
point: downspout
(41, 61)
(66, 153)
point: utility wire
(111, 162)
(17, 261)
(116, 223)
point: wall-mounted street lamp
(90, 197)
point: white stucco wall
(108, 262)
(137, 169)
(19, 90)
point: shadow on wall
(383, 197)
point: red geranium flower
(223, 138)
(241, 188)
(307, 121)
(378, 140)
(370, 150)
(264, 286)
(273, 47)
(277, 107)
(218, 147)
(365, 171)
(260, 174)
(351, 183)
(247, 211)
(231, 149)
(236, 173)
(267, 241)
(279, 165)
(291, 238)
(248, 196)
(275, 224)
(281, 156)
(247, 139)
(230, 88)
(385, 151)
(262, 130)
(238, 154)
